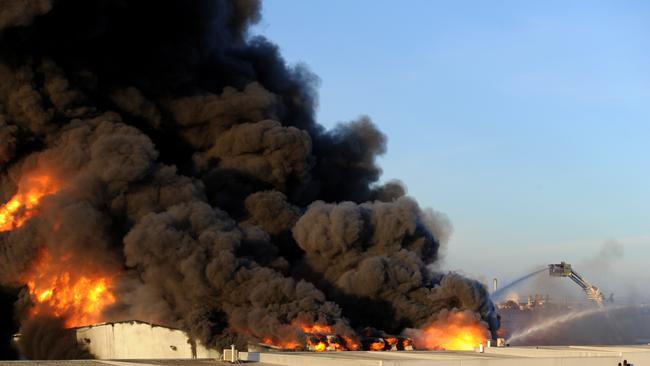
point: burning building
(130, 340)
(159, 163)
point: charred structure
(158, 163)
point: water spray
(563, 319)
(497, 294)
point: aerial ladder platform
(564, 269)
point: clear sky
(527, 123)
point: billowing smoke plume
(180, 159)
(609, 253)
(377, 253)
(8, 327)
(46, 339)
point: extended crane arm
(564, 270)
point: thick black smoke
(191, 165)
(377, 253)
(8, 326)
(45, 338)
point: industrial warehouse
(175, 191)
(139, 344)
(134, 343)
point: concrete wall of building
(426, 359)
(137, 340)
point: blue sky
(527, 123)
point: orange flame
(391, 341)
(377, 345)
(336, 346)
(23, 204)
(320, 346)
(455, 330)
(58, 287)
(316, 328)
(59, 291)
(351, 344)
(288, 345)
(317, 337)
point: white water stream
(561, 319)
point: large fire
(454, 330)
(59, 289)
(80, 293)
(24, 203)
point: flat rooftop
(503, 356)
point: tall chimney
(494, 285)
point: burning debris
(159, 163)
(315, 337)
(320, 338)
(376, 340)
(321, 342)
